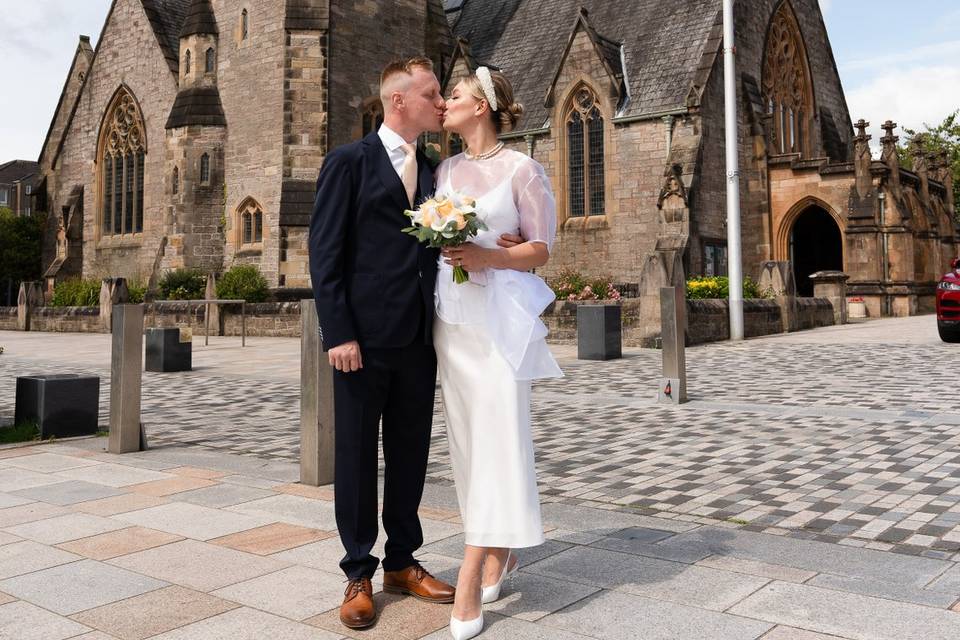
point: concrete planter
(857, 309)
(167, 352)
(599, 332)
(62, 405)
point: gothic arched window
(372, 118)
(211, 60)
(244, 24)
(175, 184)
(187, 57)
(786, 84)
(249, 224)
(586, 182)
(205, 169)
(122, 158)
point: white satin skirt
(488, 431)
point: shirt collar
(390, 138)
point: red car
(948, 304)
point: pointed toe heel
(465, 629)
(492, 593)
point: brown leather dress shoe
(417, 582)
(358, 610)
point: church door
(816, 244)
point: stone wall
(810, 313)
(8, 318)
(67, 320)
(271, 319)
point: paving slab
(8, 500)
(497, 627)
(64, 528)
(24, 621)
(650, 577)
(155, 612)
(297, 593)
(223, 495)
(69, 492)
(398, 618)
(531, 597)
(272, 538)
(667, 550)
(756, 568)
(77, 586)
(324, 555)
(291, 509)
(815, 556)
(247, 624)
(119, 543)
(949, 581)
(49, 462)
(454, 545)
(614, 616)
(12, 479)
(886, 589)
(792, 633)
(170, 486)
(198, 565)
(27, 556)
(8, 538)
(118, 504)
(111, 475)
(30, 512)
(847, 615)
(193, 521)
(603, 522)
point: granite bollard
(167, 351)
(126, 366)
(61, 405)
(316, 403)
(673, 318)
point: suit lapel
(425, 188)
(385, 171)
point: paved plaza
(810, 490)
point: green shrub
(572, 285)
(76, 293)
(243, 282)
(137, 292)
(182, 284)
(719, 287)
(21, 239)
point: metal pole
(734, 262)
(243, 323)
(206, 324)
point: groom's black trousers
(397, 385)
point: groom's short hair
(398, 68)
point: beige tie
(409, 173)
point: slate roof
(15, 170)
(197, 106)
(167, 18)
(664, 43)
(199, 20)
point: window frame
(121, 159)
(584, 153)
(210, 61)
(205, 169)
(249, 226)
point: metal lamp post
(734, 261)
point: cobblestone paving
(834, 439)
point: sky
(898, 60)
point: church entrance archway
(816, 244)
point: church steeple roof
(199, 20)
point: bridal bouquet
(446, 221)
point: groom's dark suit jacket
(372, 283)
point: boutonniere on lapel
(432, 151)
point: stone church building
(193, 135)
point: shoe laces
(355, 587)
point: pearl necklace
(483, 156)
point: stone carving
(786, 89)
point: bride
(490, 341)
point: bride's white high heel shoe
(492, 593)
(466, 629)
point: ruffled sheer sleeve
(536, 204)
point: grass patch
(738, 521)
(20, 433)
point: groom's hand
(509, 240)
(346, 357)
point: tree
(21, 245)
(945, 137)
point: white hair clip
(483, 75)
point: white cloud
(910, 97)
(928, 53)
(825, 5)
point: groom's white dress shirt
(393, 143)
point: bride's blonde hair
(507, 115)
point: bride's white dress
(490, 344)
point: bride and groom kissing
(392, 318)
